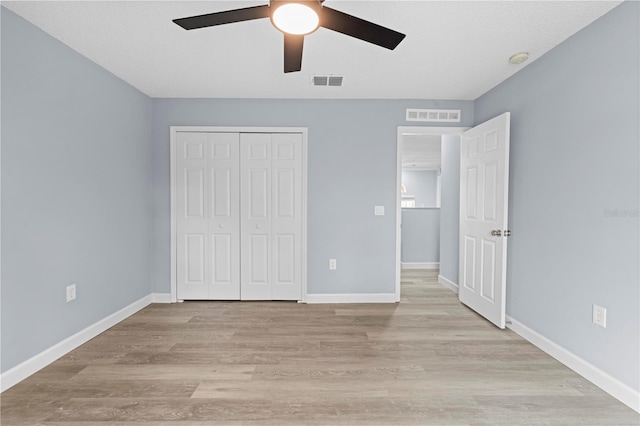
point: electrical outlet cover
(333, 264)
(599, 316)
(71, 292)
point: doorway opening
(427, 215)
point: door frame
(402, 131)
(173, 130)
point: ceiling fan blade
(293, 52)
(221, 18)
(359, 28)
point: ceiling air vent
(327, 80)
(434, 115)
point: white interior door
(208, 231)
(271, 209)
(484, 179)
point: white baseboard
(448, 284)
(160, 297)
(21, 371)
(420, 265)
(622, 392)
(352, 298)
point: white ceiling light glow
(295, 18)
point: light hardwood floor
(425, 361)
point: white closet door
(255, 208)
(224, 223)
(239, 216)
(271, 209)
(207, 223)
(192, 221)
(286, 222)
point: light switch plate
(379, 211)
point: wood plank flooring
(425, 361)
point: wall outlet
(71, 292)
(333, 264)
(599, 316)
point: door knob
(221, 226)
(257, 226)
(496, 233)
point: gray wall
(76, 201)
(574, 159)
(450, 207)
(422, 184)
(351, 169)
(420, 236)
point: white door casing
(484, 186)
(205, 186)
(208, 226)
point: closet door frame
(173, 131)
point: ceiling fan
(295, 19)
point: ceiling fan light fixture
(295, 18)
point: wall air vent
(327, 80)
(434, 115)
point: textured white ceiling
(453, 49)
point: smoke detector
(518, 58)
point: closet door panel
(224, 219)
(193, 269)
(286, 218)
(208, 225)
(255, 208)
